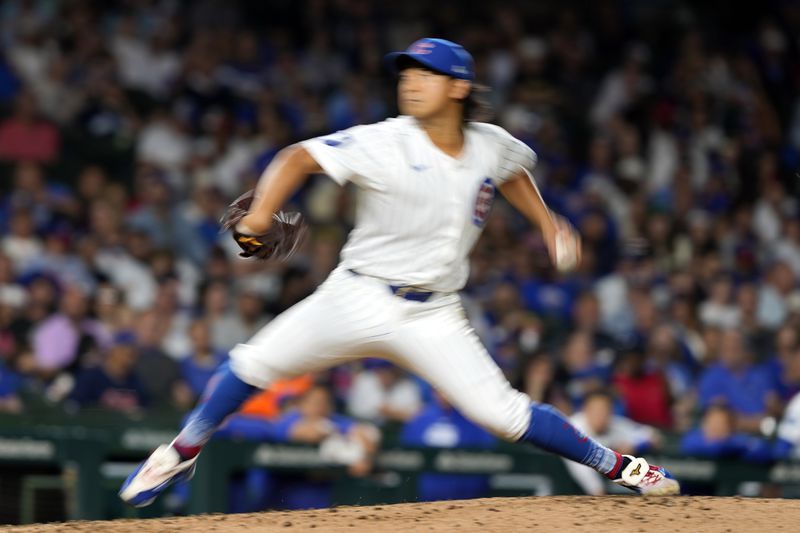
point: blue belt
(404, 291)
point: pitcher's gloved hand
(280, 241)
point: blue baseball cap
(441, 55)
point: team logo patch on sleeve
(483, 202)
(338, 139)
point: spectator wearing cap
(737, 382)
(113, 384)
(382, 392)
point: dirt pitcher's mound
(561, 514)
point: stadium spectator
(644, 392)
(538, 380)
(786, 344)
(737, 382)
(112, 384)
(342, 440)
(202, 361)
(717, 438)
(68, 339)
(159, 373)
(26, 136)
(242, 322)
(584, 372)
(21, 244)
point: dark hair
(604, 393)
(477, 107)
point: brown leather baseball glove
(280, 241)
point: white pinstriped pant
(351, 316)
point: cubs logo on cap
(440, 55)
(421, 47)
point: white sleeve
(354, 154)
(515, 156)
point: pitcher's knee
(249, 366)
(508, 422)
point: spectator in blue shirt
(737, 382)
(342, 440)
(198, 367)
(114, 383)
(786, 344)
(314, 421)
(440, 426)
(716, 438)
(582, 368)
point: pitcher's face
(423, 93)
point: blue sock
(551, 431)
(224, 394)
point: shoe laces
(653, 476)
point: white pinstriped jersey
(419, 211)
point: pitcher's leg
(312, 335)
(448, 354)
(309, 337)
(444, 350)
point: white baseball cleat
(648, 480)
(162, 469)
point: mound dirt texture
(562, 514)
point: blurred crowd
(669, 135)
